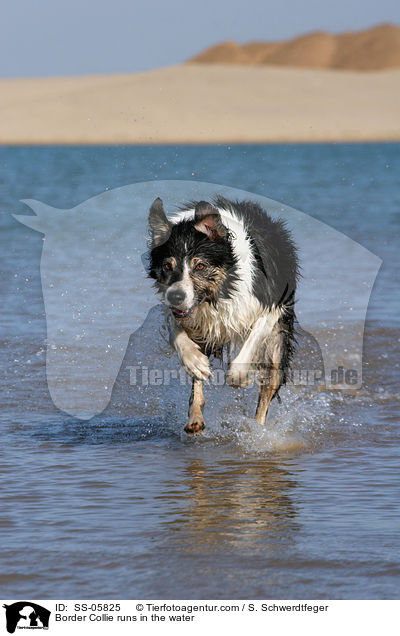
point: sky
(78, 37)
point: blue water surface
(125, 506)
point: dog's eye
(200, 266)
(167, 267)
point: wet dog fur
(227, 275)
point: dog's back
(263, 278)
(274, 266)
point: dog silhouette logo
(97, 293)
(26, 615)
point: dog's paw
(238, 376)
(195, 362)
(195, 425)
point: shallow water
(127, 506)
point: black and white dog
(227, 273)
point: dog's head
(192, 261)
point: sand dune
(203, 104)
(373, 49)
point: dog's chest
(229, 321)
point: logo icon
(97, 294)
(26, 615)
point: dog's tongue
(181, 314)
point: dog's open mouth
(181, 314)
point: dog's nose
(175, 297)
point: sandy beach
(199, 103)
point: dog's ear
(159, 225)
(208, 220)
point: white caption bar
(168, 617)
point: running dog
(227, 274)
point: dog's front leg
(249, 355)
(194, 361)
(196, 420)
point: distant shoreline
(199, 104)
(55, 144)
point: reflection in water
(245, 506)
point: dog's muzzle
(178, 300)
(175, 297)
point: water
(125, 505)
